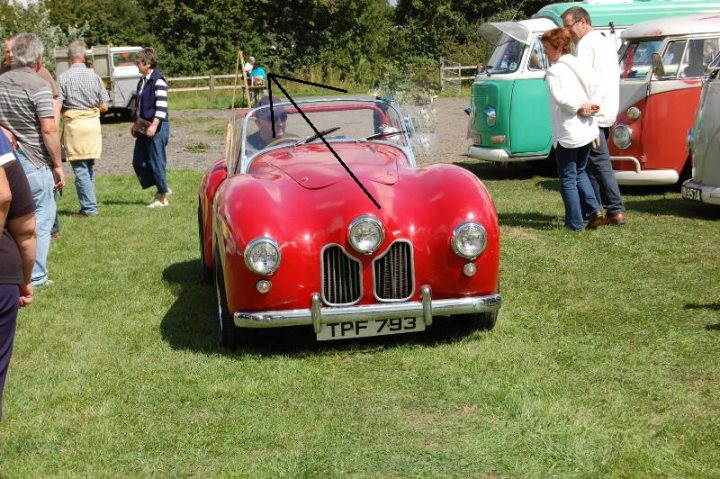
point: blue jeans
(150, 160)
(575, 188)
(602, 176)
(42, 185)
(85, 186)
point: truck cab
(117, 69)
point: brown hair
(148, 57)
(558, 38)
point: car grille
(394, 273)
(342, 283)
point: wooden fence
(211, 80)
(451, 74)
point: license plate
(371, 327)
(690, 193)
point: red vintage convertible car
(319, 216)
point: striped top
(81, 88)
(24, 99)
(153, 95)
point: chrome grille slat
(394, 273)
(341, 277)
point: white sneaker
(158, 204)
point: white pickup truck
(116, 66)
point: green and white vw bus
(509, 112)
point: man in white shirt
(599, 51)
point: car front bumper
(498, 154)
(640, 177)
(708, 193)
(317, 315)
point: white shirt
(568, 82)
(600, 52)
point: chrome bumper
(319, 315)
(498, 154)
(643, 177)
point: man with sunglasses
(264, 136)
(599, 50)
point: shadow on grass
(711, 307)
(536, 221)
(491, 171)
(125, 202)
(191, 323)
(675, 207)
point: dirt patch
(196, 138)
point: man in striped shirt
(25, 103)
(83, 98)
(149, 157)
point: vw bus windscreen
(636, 58)
(506, 57)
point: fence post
(442, 73)
(211, 93)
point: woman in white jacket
(573, 128)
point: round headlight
(262, 256)
(366, 234)
(490, 116)
(469, 240)
(633, 113)
(622, 136)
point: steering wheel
(282, 139)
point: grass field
(604, 361)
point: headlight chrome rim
(490, 116)
(250, 249)
(458, 235)
(366, 220)
(633, 113)
(622, 136)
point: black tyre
(229, 337)
(479, 321)
(206, 274)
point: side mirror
(657, 65)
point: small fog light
(263, 286)
(470, 269)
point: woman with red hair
(573, 128)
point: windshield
(636, 58)
(336, 120)
(506, 57)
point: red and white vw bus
(662, 65)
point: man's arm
(5, 198)
(22, 230)
(49, 130)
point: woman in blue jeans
(573, 128)
(149, 157)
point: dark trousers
(602, 176)
(150, 159)
(9, 296)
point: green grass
(604, 362)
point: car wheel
(479, 321)
(206, 274)
(229, 337)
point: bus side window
(672, 57)
(538, 60)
